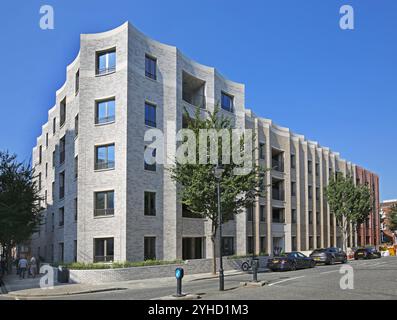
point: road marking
(274, 283)
(328, 272)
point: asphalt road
(372, 279)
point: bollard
(179, 273)
(254, 270)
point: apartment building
(104, 203)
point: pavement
(372, 279)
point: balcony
(193, 90)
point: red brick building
(368, 233)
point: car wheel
(332, 261)
(312, 264)
(293, 266)
(245, 266)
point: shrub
(116, 265)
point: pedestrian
(17, 265)
(2, 266)
(33, 267)
(22, 265)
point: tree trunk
(213, 239)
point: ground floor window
(103, 249)
(294, 244)
(310, 243)
(318, 241)
(263, 244)
(227, 246)
(250, 245)
(61, 251)
(192, 248)
(149, 248)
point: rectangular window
(150, 203)
(104, 157)
(317, 169)
(76, 167)
(62, 118)
(227, 246)
(61, 216)
(76, 209)
(186, 213)
(46, 169)
(149, 248)
(294, 244)
(150, 67)
(104, 203)
(318, 218)
(40, 181)
(319, 242)
(46, 140)
(76, 125)
(40, 154)
(147, 162)
(250, 213)
(293, 189)
(227, 102)
(75, 251)
(61, 251)
(77, 83)
(278, 215)
(54, 125)
(262, 244)
(53, 159)
(250, 245)
(317, 193)
(310, 217)
(309, 166)
(311, 246)
(104, 250)
(293, 216)
(310, 189)
(62, 149)
(62, 185)
(53, 190)
(52, 221)
(262, 151)
(150, 115)
(293, 161)
(106, 62)
(46, 197)
(105, 111)
(262, 213)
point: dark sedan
(366, 253)
(290, 261)
(329, 255)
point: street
(373, 279)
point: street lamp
(218, 171)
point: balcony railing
(279, 219)
(278, 195)
(103, 212)
(103, 258)
(277, 165)
(197, 101)
(104, 165)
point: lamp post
(218, 171)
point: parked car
(329, 255)
(367, 253)
(290, 261)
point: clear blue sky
(300, 69)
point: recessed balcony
(193, 90)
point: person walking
(22, 266)
(2, 266)
(33, 267)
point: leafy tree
(19, 202)
(349, 203)
(198, 185)
(391, 221)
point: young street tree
(391, 221)
(198, 184)
(349, 203)
(19, 202)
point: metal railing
(277, 165)
(103, 212)
(278, 194)
(195, 100)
